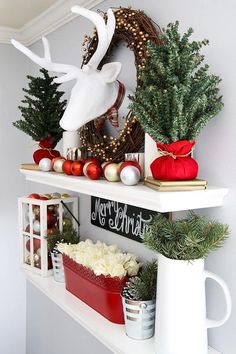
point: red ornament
(41, 153)
(175, 164)
(130, 163)
(51, 219)
(77, 168)
(36, 244)
(49, 262)
(93, 171)
(93, 159)
(43, 198)
(51, 230)
(66, 167)
(34, 196)
(27, 229)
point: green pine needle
(143, 287)
(42, 109)
(68, 235)
(177, 96)
(191, 238)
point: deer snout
(69, 125)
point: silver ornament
(27, 218)
(45, 164)
(130, 175)
(56, 195)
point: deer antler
(71, 71)
(105, 32)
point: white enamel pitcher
(181, 323)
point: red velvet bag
(46, 150)
(175, 162)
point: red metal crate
(102, 293)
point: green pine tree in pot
(182, 245)
(139, 298)
(177, 98)
(68, 235)
(41, 111)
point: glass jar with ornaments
(39, 216)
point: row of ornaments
(52, 213)
(128, 172)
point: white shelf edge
(110, 334)
(139, 195)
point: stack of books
(30, 166)
(171, 186)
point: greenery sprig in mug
(186, 239)
(69, 235)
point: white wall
(14, 148)
(213, 19)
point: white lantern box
(37, 219)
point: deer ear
(111, 71)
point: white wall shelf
(139, 195)
(110, 334)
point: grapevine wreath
(134, 28)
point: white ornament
(57, 166)
(102, 83)
(111, 172)
(36, 226)
(130, 175)
(45, 164)
(27, 217)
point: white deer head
(94, 91)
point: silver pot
(58, 268)
(139, 318)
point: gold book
(30, 166)
(193, 182)
(173, 188)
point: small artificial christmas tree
(178, 96)
(42, 110)
(176, 99)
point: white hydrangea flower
(101, 258)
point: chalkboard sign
(123, 219)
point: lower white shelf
(111, 335)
